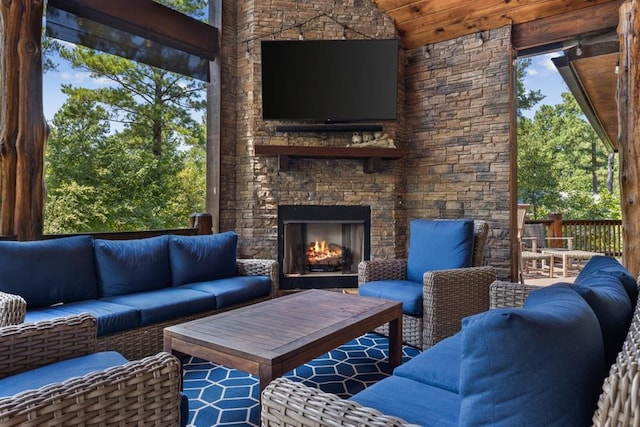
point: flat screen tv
(329, 81)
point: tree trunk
(629, 132)
(23, 128)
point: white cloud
(545, 62)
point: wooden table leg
(395, 342)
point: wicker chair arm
(509, 295)
(12, 309)
(261, 267)
(32, 345)
(289, 403)
(143, 392)
(382, 269)
(451, 295)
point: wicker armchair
(141, 392)
(448, 295)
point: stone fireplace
(321, 246)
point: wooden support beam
(629, 132)
(23, 128)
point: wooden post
(629, 132)
(23, 129)
(555, 229)
(202, 221)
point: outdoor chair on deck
(441, 281)
(533, 245)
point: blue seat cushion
(412, 401)
(610, 302)
(110, 317)
(59, 372)
(129, 266)
(439, 366)
(202, 258)
(166, 304)
(234, 290)
(541, 366)
(606, 265)
(410, 293)
(438, 245)
(47, 272)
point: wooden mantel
(372, 156)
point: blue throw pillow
(47, 272)
(541, 366)
(129, 266)
(438, 245)
(610, 302)
(202, 258)
(606, 265)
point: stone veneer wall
(454, 126)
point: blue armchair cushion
(59, 372)
(234, 290)
(606, 265)
(439, 245)
(47, 272)
(438, 367)
(412, 401)
(542, 365)
(202, 258)
(409, 293)
(129, 266)
(610, 302)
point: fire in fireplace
(321, 246)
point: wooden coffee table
(273, 337)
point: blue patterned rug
(220, 396)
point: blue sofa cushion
(129, 266)
(201, 258)
(439, 366)
(606, 265)
(412, 401)
(47, 272)
(166, 304)
(234, 290)
(410, 293)
(59, 372)
(110, 318)
(542, 365)
(610, 302)
(439, 245)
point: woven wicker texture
(12, 309)
(507, 294)
(144, 392)
(448, 297)
(32, 345)
(288, 403)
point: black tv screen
(333, 81)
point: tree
(526, 100)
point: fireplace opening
(321, 246)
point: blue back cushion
(47, 272)
(610, 302)
(609, 266)
(438, 245)
(129, 266)
(541, 366)
(202, 258)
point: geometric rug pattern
(220, 396)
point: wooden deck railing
(593, 235)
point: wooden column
(23, 128)
(629, 132)
(214, 125)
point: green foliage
(129, 155)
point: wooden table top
(289, 327)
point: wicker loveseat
(447, 294)
(539, 357)
(135, 287)
(51, 375)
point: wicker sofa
(51, 375)
(539, 357)
(448, 295)
(135, 288)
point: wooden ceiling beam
(559, 28)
